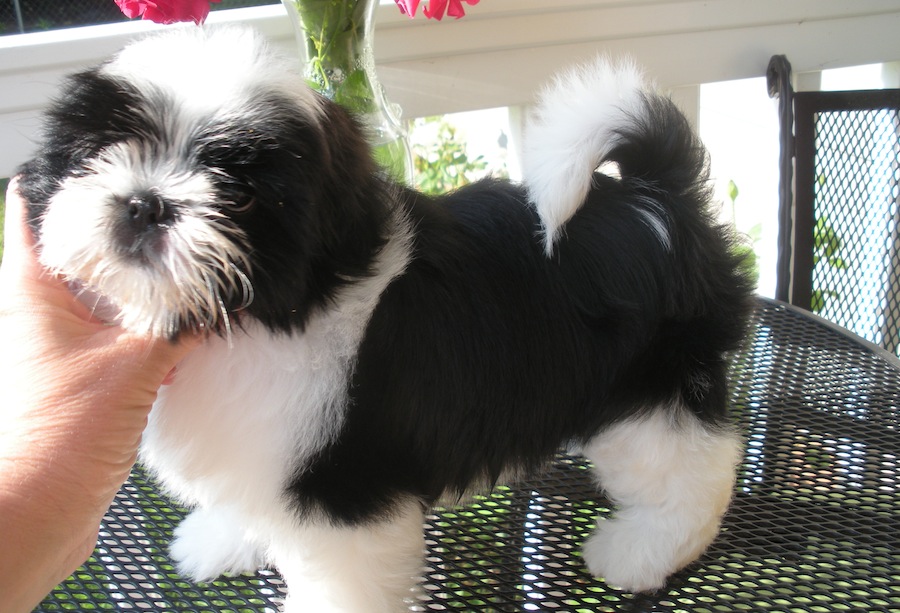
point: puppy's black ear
(348, 148)
(91, 111)
(355, 203)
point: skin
(74, 398)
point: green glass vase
(335, 40)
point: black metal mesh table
(815, 524)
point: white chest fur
(243, 415)
(247, 412)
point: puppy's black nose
(148, 209)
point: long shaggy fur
(372, 350)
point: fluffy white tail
(574, 128)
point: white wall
(503, 49)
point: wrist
(44, 540)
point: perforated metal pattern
(815, 524)
(856, 272)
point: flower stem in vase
(335, 42)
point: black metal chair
(839, 220)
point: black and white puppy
(372, 350)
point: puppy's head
(194, 180)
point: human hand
(76, 393)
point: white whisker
(247, 292)
(229, 337)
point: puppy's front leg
(370, 568)
(213, 542)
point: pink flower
(408, 7)
(435, 8)
(167, 11)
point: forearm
(43, 539)
(54, 491)
(74, 398)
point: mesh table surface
(815, 524)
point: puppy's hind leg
(672, 477)
(370, 568)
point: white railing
(504, 49)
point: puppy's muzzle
(145, 219)
(147, 210)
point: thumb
(172, 355)
(145, 362)
(18, 243)
(163, 356)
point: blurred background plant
(828, 257)
(747, 248)
(827, 248)
(441, 160)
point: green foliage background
(443, 164)
(746, 249)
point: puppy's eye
(242, 203)
(237, 200)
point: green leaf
(817, 301)
(732, 190)
(838, 263)
(755, 233)
(354, 93)
(749, 261)
(444, 165)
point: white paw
(617, 554)
(634, 555)
(210, 543)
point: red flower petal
(408, 7)
(166, 11)
(131, 8)
(435, 9)
(454, 8)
